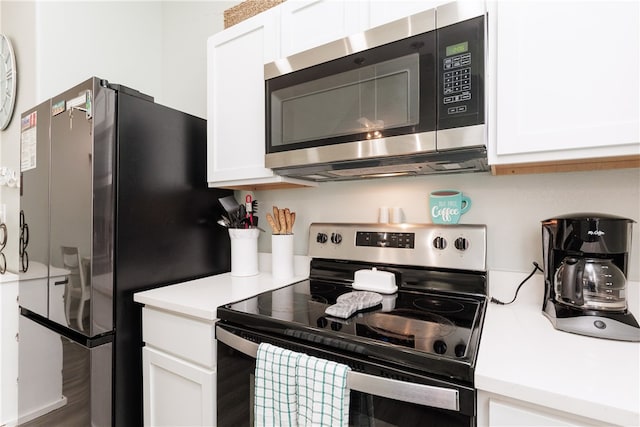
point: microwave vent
(409, 169)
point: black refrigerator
(114, 200)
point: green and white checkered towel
(293, 389)
(323, 396)
(275, 400)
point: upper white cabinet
(235, 102)
(567, 80)
(311, 23)
(381, 12)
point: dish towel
(275, 400)
(323, 395)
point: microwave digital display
(457, 48)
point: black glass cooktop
(416, 328)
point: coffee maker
(585, 260)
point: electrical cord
(535, 268)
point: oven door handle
(426, 395)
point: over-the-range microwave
(404, 98)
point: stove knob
(461, 244)
(322, 322)
(336, 238)
(440, 242)
(459, 350)
(440, 347)
(321, 238)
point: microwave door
(370, 105)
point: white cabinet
(235, 115)
(8, 349)
(236, 102)
(179, 369)
(177, 392)
(381, 12)
(310, 23)
(567, 78)
(500, 411)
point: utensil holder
(282, 256)
(244, 251)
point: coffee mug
(447, 206)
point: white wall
(512, 207)
(159, 48)
(156, 47)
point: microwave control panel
(457, 78)
(461, 74)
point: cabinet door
(177, 392)
(9, 314)
(381, 12)
(512, 415)
(567, 78)
(235, 98)
(310, 23)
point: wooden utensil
(282, 220)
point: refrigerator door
(62, 382)
(167, 230)
(81, 208)
(34, 208)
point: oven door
(391, 398)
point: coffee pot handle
(572, 280)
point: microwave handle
(426, 395)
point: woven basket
(246, 10)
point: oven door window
(235, 391)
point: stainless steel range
(412, 354)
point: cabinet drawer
(186, 337)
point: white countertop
(523, 357)
(201, 297)
(8, 277)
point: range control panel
(461, 247)
(385, 240)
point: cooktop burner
(438, 305)
(438, 324)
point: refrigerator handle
(61, 282)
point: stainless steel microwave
(404, 98)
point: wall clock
(8, 80)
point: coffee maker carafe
(585, 260)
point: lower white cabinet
(177, 392)
(501, 411)
(179, 369)
(8, 349)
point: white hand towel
(323, 395)
(275, 401)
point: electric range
(427, 332)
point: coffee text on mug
(445, 213)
